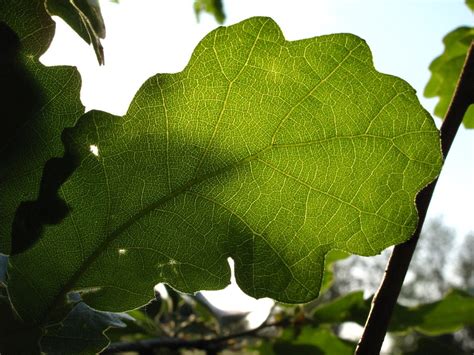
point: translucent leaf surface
(36, 104)
(445, 71)
(267, 151)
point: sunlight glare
(94, 149)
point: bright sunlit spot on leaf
(94, 150)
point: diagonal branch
(385, 299)
(177, 343)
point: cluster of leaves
(178, 322)
(251, 152)
(446, 68)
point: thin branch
(176, 343)
(385, 299)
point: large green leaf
(451, 313)
(37, 102)
(267, 151)
(445, 71)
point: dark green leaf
(84, 17)
(213, 7)
(314, 341)
(142, 327)
(36, 104)
(451, 313)
(31, 22)
(348, 308)
(434, 346)
(445, 71)
(16, 337)
(82, 331)
(252, 152)
(3, 268)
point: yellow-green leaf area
(446, 69)
(264, 150)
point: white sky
(149, 36)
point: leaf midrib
(68, 287)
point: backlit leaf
(445, 71)
(267, 151)
(36, 104)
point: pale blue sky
(149, 36)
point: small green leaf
(36, 104)
(445, 71)
(82, 331)
(329, 260)
(470, 4)
(84, 17)
(252, 152)
(213, 7)
(348, 308)
(313, 341)
(447, 315)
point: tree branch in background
(142, 346)
(386, 297)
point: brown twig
(177, 343)
(385, 299)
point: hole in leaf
(94, 149)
